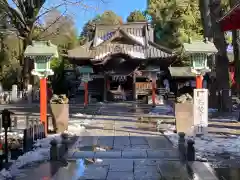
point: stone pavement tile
(105, 141)
(82, 154)
(118, 165)
(108, 154)
(202, 171)
(159, 142)
(166, 154)
(139, 163)
(88, 141)
(121, 142)
(138, 140)
(134, 154)
(120, 175)
(146, 173)
(137, 147)
(120, 147)
(94, 172)
(172, 170)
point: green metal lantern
(85, 71)
(199, 60)
(42, 52)
(198, 52)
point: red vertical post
(153, 91)
(199, 82)
(85, 93)
(43, 103)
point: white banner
(200, 111)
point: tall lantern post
(198, 52)
(152, 72)
(85, 72)
(42, 52)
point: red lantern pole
(199, 82)
(43, 102)
(153, 91)
(85, 93)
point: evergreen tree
(136, 16)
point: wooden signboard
(143, 87)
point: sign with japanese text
(200, 111)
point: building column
(134, 87)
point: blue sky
(120, 7)
(81, 16)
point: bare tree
(24, 15)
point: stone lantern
(42, 52)
(85, 72)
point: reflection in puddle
(74, 170)
(80, 167)
(228, 173)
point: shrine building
(125, 60)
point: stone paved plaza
(125, 149)
(121, 149)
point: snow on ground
(41, 151)
(209, 145)
(39, 154)
(17, 135)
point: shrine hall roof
(134, 40)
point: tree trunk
(204, 7)
(25, 65)
(222, 62)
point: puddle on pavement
(95, 148)
(227, 173)
(74, 170)
(70, 170)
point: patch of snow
(12, 135)
(75, 129)
(40, 153)
(222, 119)
(209, 145)
(82, 115)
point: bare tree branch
(50, 25)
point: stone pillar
(14, 93)
(29, 93)
(134, 87)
